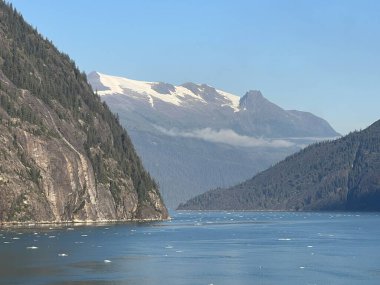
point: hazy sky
(318, 56)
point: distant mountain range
(337, 175)
(193, 137)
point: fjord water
(199, 248)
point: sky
(316, 56)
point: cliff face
(63, 154)
(339, 175)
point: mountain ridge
(335, 175)
(191, 135)
(251, 114)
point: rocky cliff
(63, 155)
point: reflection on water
(199, 248)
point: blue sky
(318, 56)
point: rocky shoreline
(32, 224)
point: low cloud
(227, 136)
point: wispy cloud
(226, 136)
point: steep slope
(338, 175)
(63, 154)
(194, 137)
(261, 117)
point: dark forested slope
(63, 154)
(337, 175)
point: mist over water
(199, 248)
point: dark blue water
(200, 248)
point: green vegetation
(33, 172)
(335, 175)
(31, 67)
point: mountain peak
(187, 94)
(253, 108)
(254, 100)
(254, 94)
(191, 86)
(207, 92)
(163, 88)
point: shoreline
(283, 211)
(33, 224)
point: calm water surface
(200, 248)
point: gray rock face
(64, 157)
(253, 99)
(194, 88)
(163, 88)
(199, 137)
(65, 188)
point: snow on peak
(116, 85)
(235, 100)
(152, 91)
(121, 86)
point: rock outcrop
(63, 155)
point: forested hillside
(336, 175)
(64, 155)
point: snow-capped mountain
(155, 92)
(194, 137)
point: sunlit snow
(143, 89)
